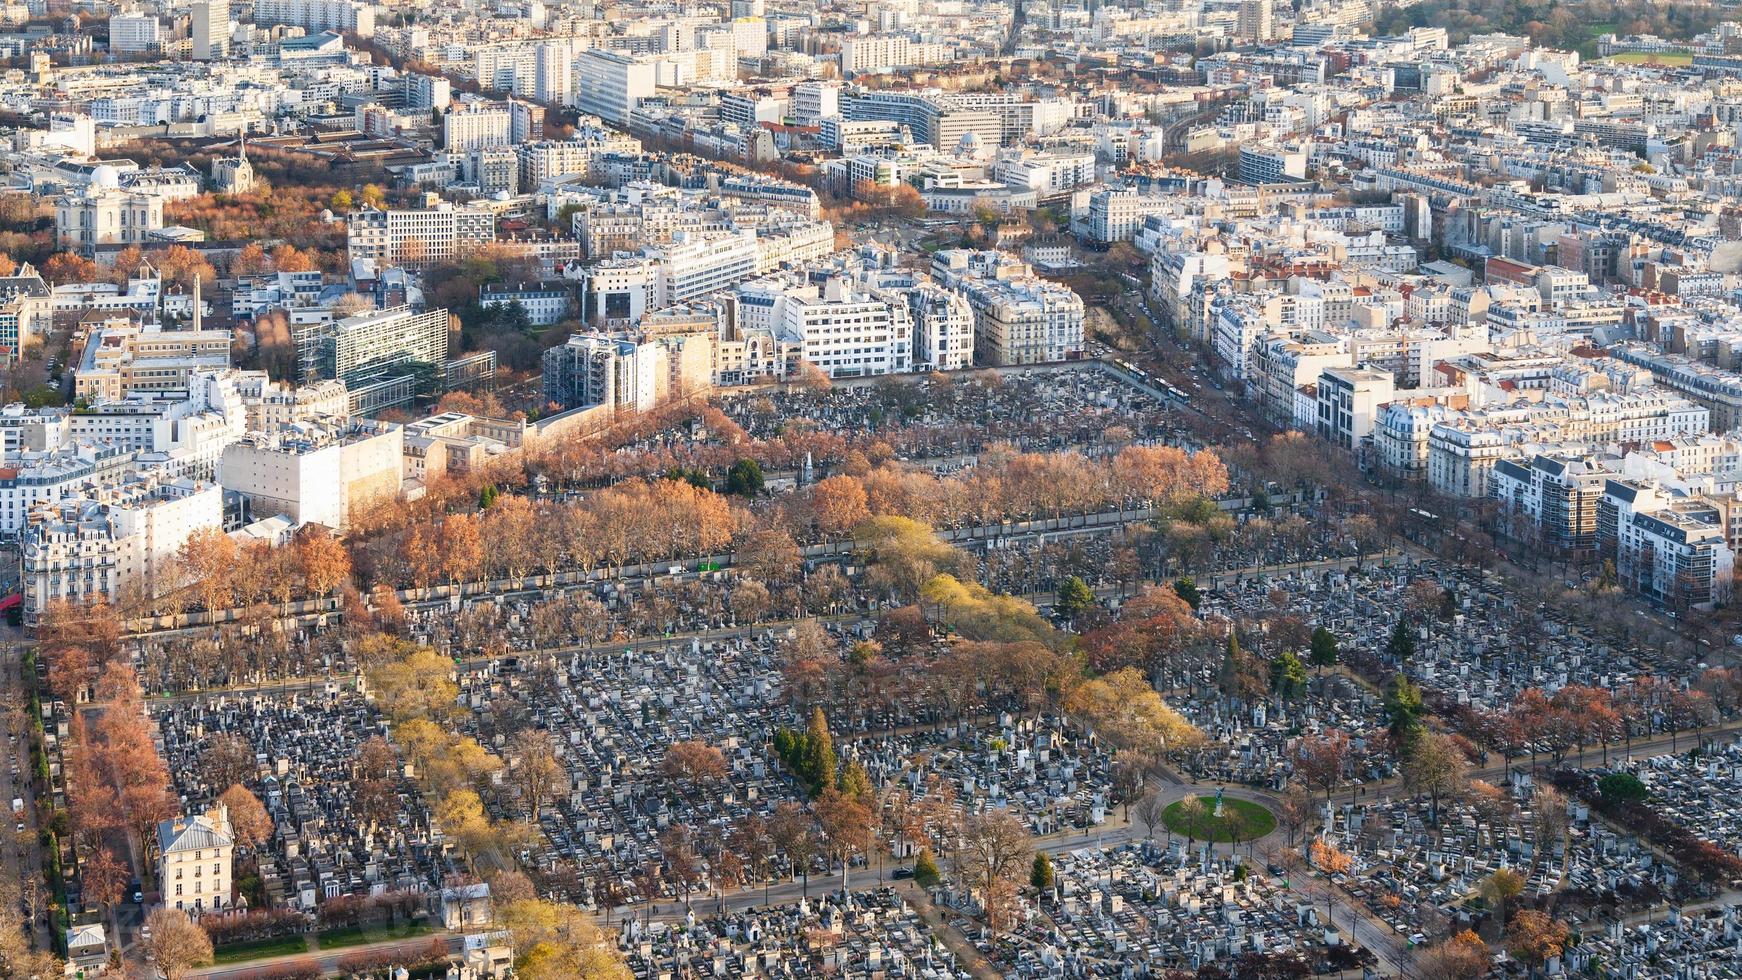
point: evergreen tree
(487, 495)
(855, 782)
(925, 871)
(1074, 598)
(1041, 877)
(1607, 577)
(1404, 708)
(1187, 589)
(1402, 642)
(819, 762)
(1323, 651)
(745, 478)
(1288, 676)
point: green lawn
(360, 935)
(259, 949)
(1672, 59)
(1258, 820)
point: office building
(369, 345)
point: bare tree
(993, 856)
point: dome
(105, 177)
(969, 144)
(503, 196)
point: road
(23, 861)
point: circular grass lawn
(1255, 820)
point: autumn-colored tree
(768, 554)
(838, 504)
(69, 670)
(322, 560)
(461, 548)
(848, 827)
(389, 611)
(103, 878)
(145, 806)
(286, 258)
(177, 944)
(180, 265)
(1533, 939)
(69, 267)
(1500, 888)
(209, 556)
(227, 759)
(373, 780)
(1321, 759)
(695, 761)
(537, 770)
(1461, 957)
(794, 834)
(249, 261)
(419, 686)
(1434, 765)
(1125, 710)
(553, 941)
(509, 530)
(248, 818)
(461, 816)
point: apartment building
(318, 15)
(113, 543)
(617, 369)
(610, 84)
(1552, 500)
(316, 472)
(1669, 549)
(417, 238)
(195, 858)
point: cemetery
(1419, 875)
(327, 840)
(931, 416)
(1046, 770)
(858, 935)
(1153, 908)
(613, 718)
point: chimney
(196, 301)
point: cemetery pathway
(966, 955)
(326, 960)
(1363, 927)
